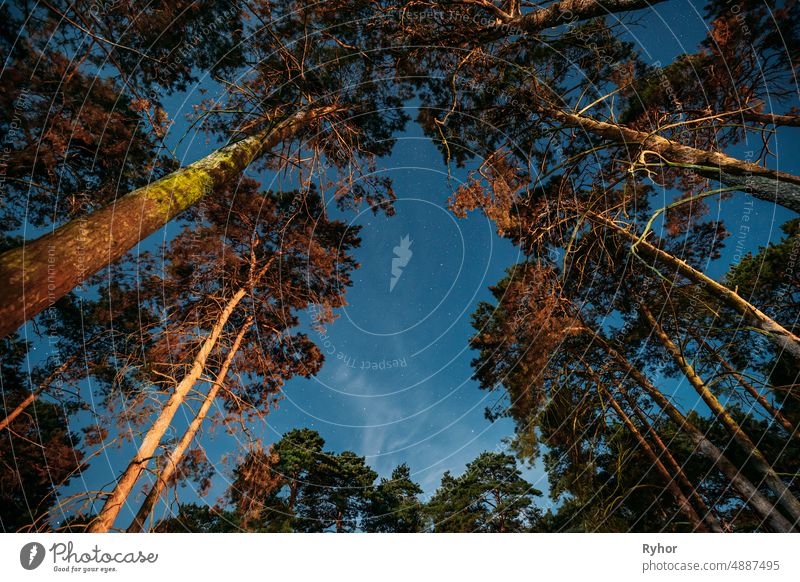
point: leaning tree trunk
(784, 338)
(41, 271)
(113, 504)
(760, 182)
(762, 400)
(711, 520)
(785, 497)
(30, 398)
(137, 525)
(772, 118)
(561, 13)
(776, 413)
(683, 502)
(762, 506)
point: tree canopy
(182, 185)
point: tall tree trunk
(30, 398)
(113, 504)
(762, 183)
(772, 118)
(762, 506)
(41, 271)
(188, 436)
(784, 338)
(564, 12)
(683, 502)
(709, 516)
(789, 427)
(785, 497)
(774, 412)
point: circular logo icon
(31, 555)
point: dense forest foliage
(606, 170)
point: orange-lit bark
(115, 500)
(783, 337)
(763, 183)
(188, 436)
(30, 398)
(38, 273)
(762, 506)
(785, 497)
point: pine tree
(395, 506)
(316, 94)
(39, 452)
(256, 276)
(491, 496)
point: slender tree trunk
(29, 399)
(113, 504)
(41, 271)
(774, 412)
(784, 338)
(772, 119)
(22, 406)
(762, 400)
(188, 436)
(749, 493)
(785, 497)
(762, 183)
(683, 502)
(709, 517)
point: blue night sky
(427, 412)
